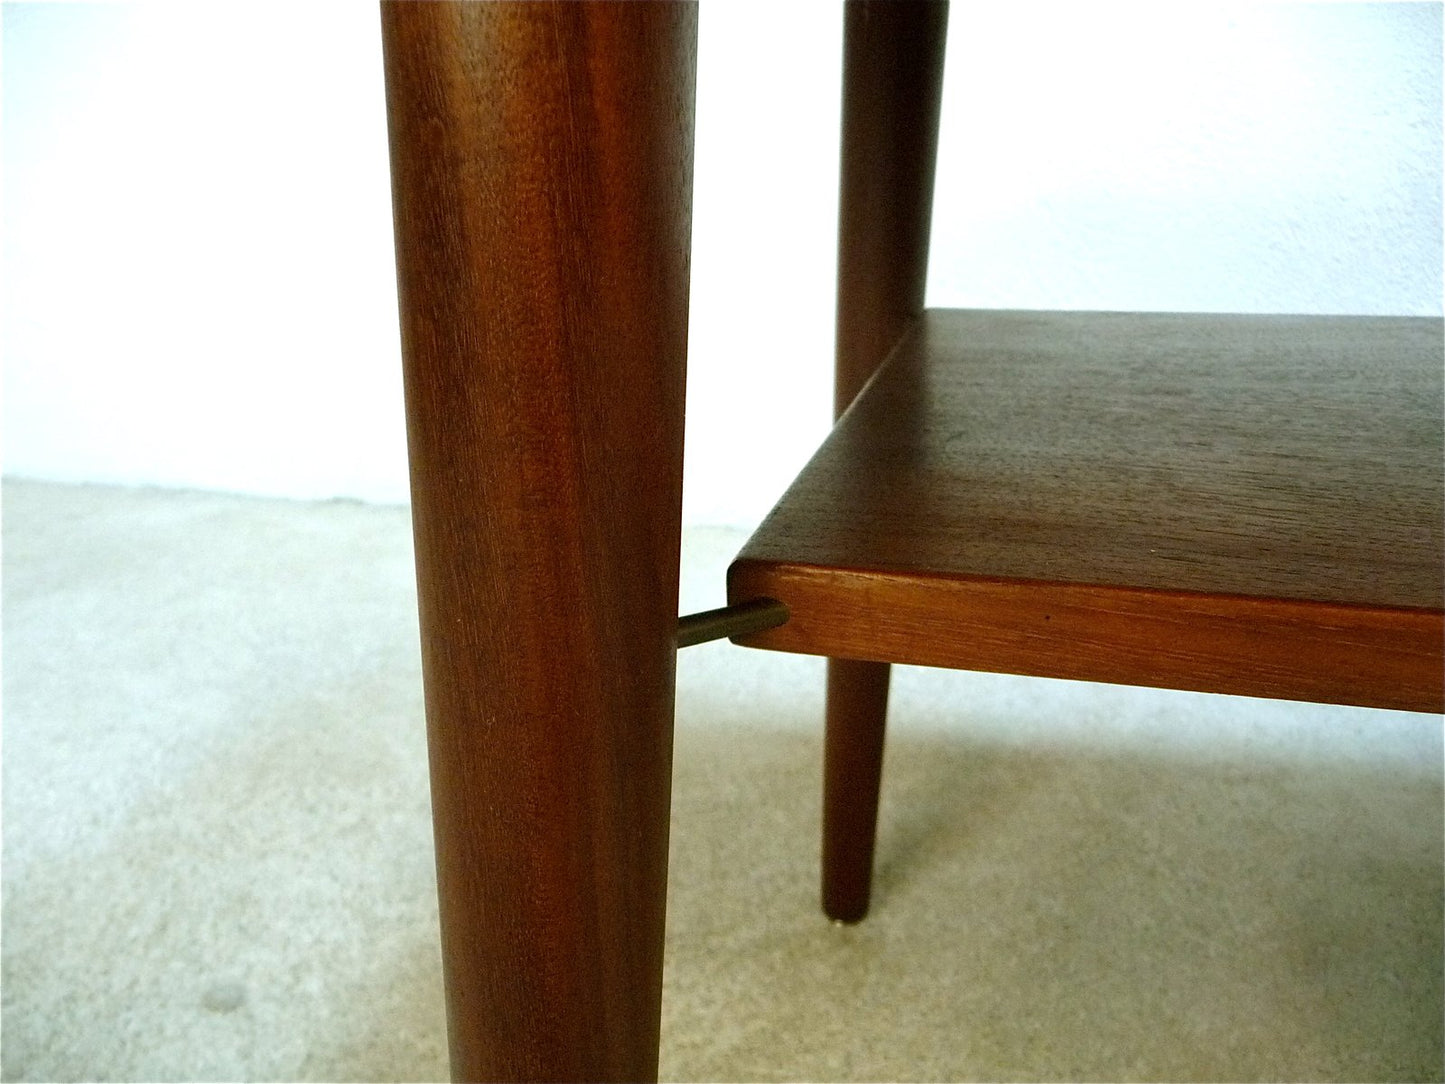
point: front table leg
(542, 178)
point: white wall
(1213, 158)
(197, 273)
(197, 248)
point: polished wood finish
(541, 165)
(1238, 504)
(855, 724)
(892, 92)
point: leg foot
(852, 770)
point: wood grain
(541, 166)
(1247, 504)
(892, 92)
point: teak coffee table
(1237, 504)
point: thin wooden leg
(852, 769)
(892, 92)
(541, 166)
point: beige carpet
(217, 859)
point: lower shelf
(1238, 504)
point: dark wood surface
(892, 91)
(541, 166)
(855, 726)
(893, 54)
(1247, 504)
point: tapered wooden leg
(852, 769)
(541, 166)
(892, 92)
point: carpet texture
(217, 860)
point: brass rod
(748, 617)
